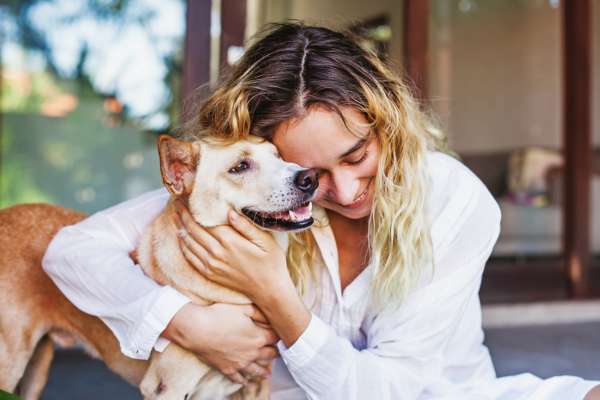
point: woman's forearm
(285, 311)
(96, 274)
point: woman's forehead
(319, 136)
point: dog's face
(247, 176)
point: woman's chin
(350, 213)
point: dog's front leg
(256, 390)
(215, 386)
(173, 374)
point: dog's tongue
(301, 213)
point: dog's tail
(35, 377)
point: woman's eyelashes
(361, 159)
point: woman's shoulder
(455, 193)
(445, 172)
(449, 181)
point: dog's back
(25, 232)
(33, 312)
(27, 296)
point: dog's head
(247, 176)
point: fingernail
(233, 215)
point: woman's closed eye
(359, 160)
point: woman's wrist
(176, 329)
(285, 311)
(268, 289)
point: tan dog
(211, 178)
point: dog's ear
(178, 162)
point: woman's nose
(343, 189)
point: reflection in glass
(495, 82)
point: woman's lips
(359, 201)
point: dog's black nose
(307, 180)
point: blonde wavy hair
(292, 67)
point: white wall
(495, 75)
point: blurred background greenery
(78, 78)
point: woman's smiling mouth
(359, 201)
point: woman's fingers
(269, 337)
(267, 354)
(199, 234)
(254, 371)
(193, 246)
(255, 314)
(237, 377)
(196, 261)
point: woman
(379, 300)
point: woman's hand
(248, 260)
(232, 338)
(241, 256)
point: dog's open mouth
(294, 219)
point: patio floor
(572, 349)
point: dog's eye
(242, 166)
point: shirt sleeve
(90, 264)
(404, 356)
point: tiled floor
(572, 349)
(543, 350)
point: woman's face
(347, 164)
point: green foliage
(76, 161)
(7, 396)
(85, 156)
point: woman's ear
(178, 163)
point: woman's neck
(354, 229)
(351, 238)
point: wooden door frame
(197, 54)
(577, 144)
(416, 45)
(196, 61)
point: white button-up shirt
(431, 347)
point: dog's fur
(34, 314)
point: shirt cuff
(161, 344)
(582, 388)
(307, 345)
(146, 336)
